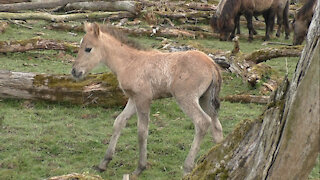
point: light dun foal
(191, 77)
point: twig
(18, 24)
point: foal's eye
(87, 50)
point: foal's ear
(92, 27)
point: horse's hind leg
(201, 122)
(208, 107)
(249, 25)
(118, 125)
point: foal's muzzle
(76, 74)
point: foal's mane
(306, 8)
(121, 36)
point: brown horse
(230, 11)
(191, 77)
(302, 21)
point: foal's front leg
(143, 111)
(118, 125)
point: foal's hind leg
(208, 107)
(118, 125)
(201, 122)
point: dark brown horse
(229, 13)
(302, 21)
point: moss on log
(270, 53)
(95, 89)
(35, 44)
(246, 98)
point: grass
(41, 139)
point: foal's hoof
(99, 169)
(138, 171)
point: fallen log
(35, 5)
(13, 1)
(179, 15)
(270, 53)
(76, 176)
(130, 6)
(140, 31)
(36, 44)
(245, 98)
(61, 18)
(96, 89)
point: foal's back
(170, 74)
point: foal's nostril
(80, 74)
(76, 74)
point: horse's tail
(215, 88)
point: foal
(191, 77)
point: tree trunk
(130, 6)
(98, 89)
(61, 18)
(34, 44)
(35, 5)
(285, 142)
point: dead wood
(178, 15)
(36, 44)
(270, 53)
(61, 18)
(35, 5)
(76, 176)
(13, 1)
(130, 6)
(246, 98)
(97, 89)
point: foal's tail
(215, 87)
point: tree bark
(130, 6)
(35, 44)
(35, 5)
(282, 144)
(98, 89)
(61, 18)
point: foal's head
(90, 52)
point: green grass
(41, 139)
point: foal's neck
(117, 55)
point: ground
(41, 139)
